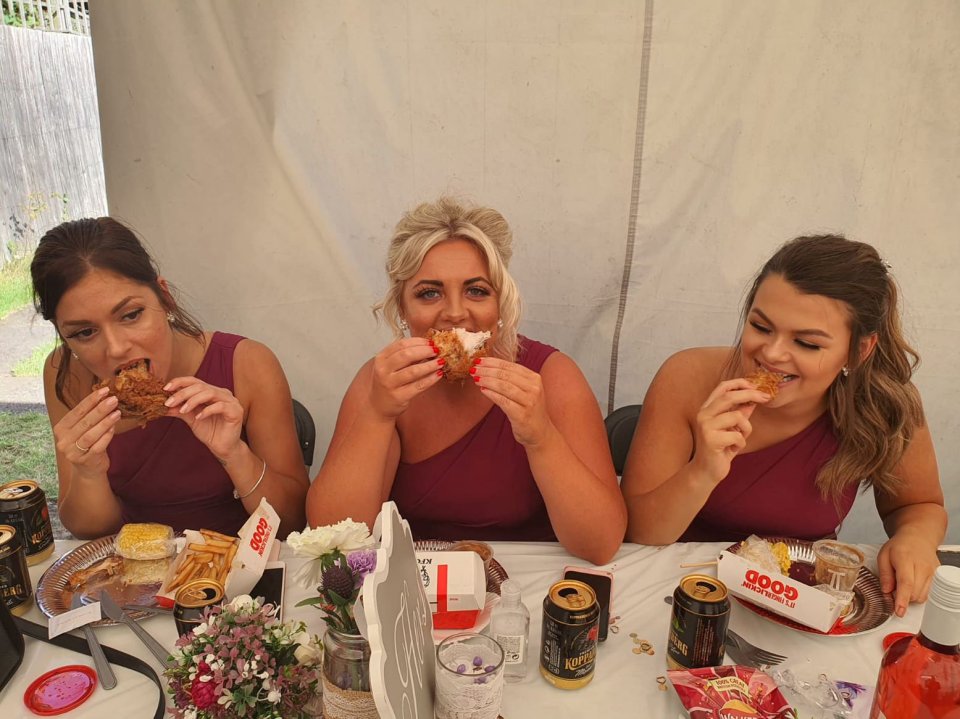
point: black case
(11, 645)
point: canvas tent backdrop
(649, 157)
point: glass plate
(495, 572)
(54, 594)
(871, 607)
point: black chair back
(306, 431)
(621, 424)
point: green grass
(26, 450)
(32, 366)
(16, 288)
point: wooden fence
(51, 165)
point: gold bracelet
(237, 495)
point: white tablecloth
(625, 683)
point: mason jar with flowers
(341, 555)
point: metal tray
(54, 594)
(871, 608)
(495, 571)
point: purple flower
(362, 562)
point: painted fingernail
(436, 350)
(441, 361)
(169, 402)
(476, 360)
(476, 379)
(439, 373)
(473, 370)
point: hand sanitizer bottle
(510, 626)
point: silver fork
(743, 652)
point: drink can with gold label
(15, 589)
(24, 506)
(191, 600)
(571, 623)
(698, 626)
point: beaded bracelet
(237, 495)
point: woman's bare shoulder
(691, 373)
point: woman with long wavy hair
(715, 458)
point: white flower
(309, 652)
(189, 714)
(346, 536)
(201, 628)
(242, 601)
(273, 696)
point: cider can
(24, 506)
(571, 624)
(698, 626)
(15, 589)
(191, 600)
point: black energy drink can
(24, 506)
(571, 623)
(698, 626)
(15, 589)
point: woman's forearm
(663, 514)
(927, 520)
(351, 480)
(254, 479)
(588, 515)
(88, 508)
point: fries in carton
(780, 594)
(234, 562)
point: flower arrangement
(341, 557)
(241, 662)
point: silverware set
(743, 652)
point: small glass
(836, 564)
(469, 677)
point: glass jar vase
(346, 677)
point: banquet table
(625, 682)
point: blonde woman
(714, 458)
(519, 453)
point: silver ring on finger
(82, 449)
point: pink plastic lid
(60, 690)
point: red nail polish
(473, 370)
(439, 373)
(476, 379)
(476, 360)
(436, 350)
(441, 361)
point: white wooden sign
(398, 624)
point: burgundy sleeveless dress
(772, 492)
(162, 473)
(481, 486)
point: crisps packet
(729, 692)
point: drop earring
(403, 325)
(74, 355)
(845, 371)
(499, 324)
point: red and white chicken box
(456, 587)
(780, 594)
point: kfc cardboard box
(244, 562)
(780, 594)
(456, 587)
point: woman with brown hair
(228, 437)
(714, 458)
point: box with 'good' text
(456, 587)
(780, 594)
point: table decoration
(469, 677)
(242, 662)
(341, 556)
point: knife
(149, 609)
(112, 610)
(107, 678)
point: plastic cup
(469, 677)
(836, 564)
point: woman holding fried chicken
(215, 435)
(716, 458)
(516, 450)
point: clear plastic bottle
(510, 626)
(920, 675)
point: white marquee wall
(265, 150)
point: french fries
(210, 559)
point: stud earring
(171, 318)
(845, 371)
(499, 323)
(74, 355)
(403, 325)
